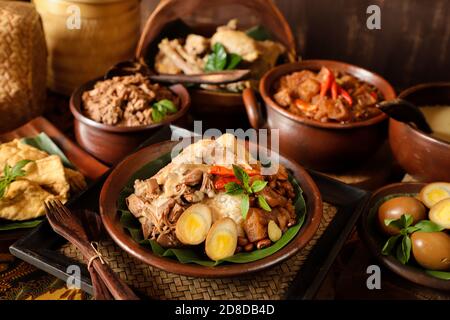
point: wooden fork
(69, 226)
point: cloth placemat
(158, 284)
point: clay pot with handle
(318, 145)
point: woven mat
(157, 284)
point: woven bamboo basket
(203, 17)
(22, 64)
(107, 33)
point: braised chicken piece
(327, 96)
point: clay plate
(123, 172)
(85, 163)
(375, 240)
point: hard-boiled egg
(434, 192)
(193, 225)
(221, 241)
(440, 213)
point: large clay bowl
(110, 143)
(320, 146)
(374, 239)
(424, 157)
(125, 170)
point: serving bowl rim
(178, 89)
(405, 93)
(287, 68)
(119, 235)
(366, 231)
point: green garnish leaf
(428, 226)
(263, 203)
(219, 59)
(404, 250)
(233, 60)
(258, 32)
(233, 188)
(167, 105)
(161, 108)
(243, 177)
(11, 174)
(245, 205)
(389, 245)
(157, 115)
(406, 220)
(258, 185)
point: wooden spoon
(130, 67)
(404, 111)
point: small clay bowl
(374, 239)
(126, 169)
(317, 145)
(425, 157)
(109, 143)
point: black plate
(40, 247)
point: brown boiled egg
(434, 192)
(440, 213)
(395, 208)
(431, 250)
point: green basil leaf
(242, 176)
(245, 205)
(263, 203)
(258, 32)
(217, 60)
(157, 115)
(410, 229)
(404, 250)
(258, 185)
(17, 169)
(393, 223)
(166, 105)
(428, 226)
(406, 220)
(233, 60)
(389, 245)
(233, 188)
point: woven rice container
(86, 37)
(22, 64)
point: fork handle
(101, 292)
(118, 288)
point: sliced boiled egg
(434, 192)
(193, 225)
(440, 213)
(221, 241)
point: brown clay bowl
(320, 146)
(424, 157)
(125, 170)
(111, 143)
(374, 239)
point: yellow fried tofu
(49, 173)
(14, 151)
(45, 178)
(24, 200)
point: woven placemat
(158, 284)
